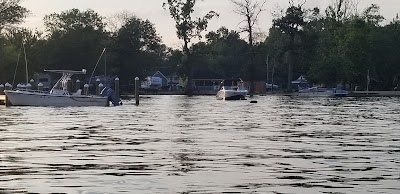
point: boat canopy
(83, 71)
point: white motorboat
(322, 92)
(232, 89)
(59, 95)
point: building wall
(259, 87)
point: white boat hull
(231, 94)
(26, 98)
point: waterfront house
(164, 79)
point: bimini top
(83, 71)
(231, 82)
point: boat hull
(26, 98)
(231, 95)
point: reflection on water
(175, 144)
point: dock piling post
(77, 85)
(32, 82)
(116, 82)
(8, 86)
(28, 86)
(1, 89)
(137, 85)
(97, 85)
(100, 88)
(40, 86)
(86, 89)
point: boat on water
(59, 95)
(322, 92)
(232, 89)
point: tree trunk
(290, 71)
(251, 65)
(290, 61)
(189, 85)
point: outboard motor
(108, 92)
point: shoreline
(207, 93)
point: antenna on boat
(104, 50)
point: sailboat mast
(104, 50)
(105, 68)
(26, 64)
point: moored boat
(232, 89)
(59, 95)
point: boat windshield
(234, 84)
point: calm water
(175, 144)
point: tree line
(338, 45)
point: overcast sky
(153, 11)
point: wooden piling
(137, 86)
(77, 85)
(40, 86)
(97, 86)
(100, 88)
(8, 86)
(32, 82)
(117, 88)
(1, 89)
(86, 89)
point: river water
(176, 144)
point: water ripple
(176, 144)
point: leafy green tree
(8, 60)
(227, 53)
(276, 45)
(11, 12)
(187, 28)
(291, 24)
(32, 48)
(250, 10)
(75, 39)
(138, 48)
(346, 49)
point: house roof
(299, 80)
(159, 72)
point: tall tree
(11, 12)
(250, 11)
(340, 10)
(138, 48)
(291, 24)
(33, 48)
(76, 38)
(187, 28)
(117, 20)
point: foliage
(339, 46)
(11, 12)
(75, 39)
(138, 48)
(187, 28)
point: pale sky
(153, 11)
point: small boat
(59, 95)
(232, 89)
(322, 92)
